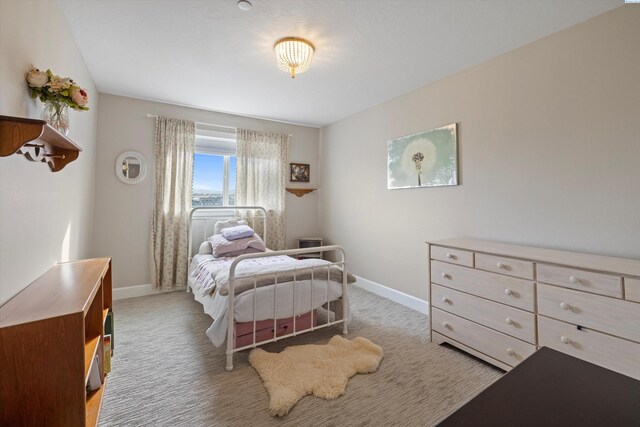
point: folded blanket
(237, 232)
(206, 271)
(222, 246)
(212, 275)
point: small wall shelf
(300, 191)
(36, 141)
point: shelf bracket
(300, 191)
(36, 141)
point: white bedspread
(306, 297)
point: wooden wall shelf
(36, 141)
(300, 191)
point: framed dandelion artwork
(426, 159)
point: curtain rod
(151, 116)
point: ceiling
(211, 55)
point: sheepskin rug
(321, 370)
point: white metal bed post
(327, 294)
(345, 294)
(231, 316)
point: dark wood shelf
(36, 141)
(300, 191)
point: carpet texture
(319, 369)
(166, 372)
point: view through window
(214, 180)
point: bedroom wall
(45, 217)
(122, 223)
(548, 148)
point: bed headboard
(203, 220)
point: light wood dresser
(50, 334)
(501, 302)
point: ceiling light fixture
(294, 55)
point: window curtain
(174, 145)
(261, 172)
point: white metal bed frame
(341, 306)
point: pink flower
(79, 96)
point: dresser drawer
(454, 256)
(504, 289)
(632, 289)
(573, 278)
(614, 353)
(494, 344)
(509, 320)
(613, 316)
(504, 265)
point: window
(214, 170)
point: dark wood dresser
(554, 389)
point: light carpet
(166, 372)
(319, 369)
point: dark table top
(554, 389)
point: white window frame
(218, 144)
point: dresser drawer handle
(451, 256)
(501, 266)
(509, 321)
(446, 300)
(574, 279)
(445, 276)
(508, 291)
(446, 325)
(565, 340)
(510, 352)
(564, 306)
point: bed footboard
(339, 307)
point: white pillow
(205, 248)
(221, 225)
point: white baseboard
(396, 296)
(133, 291)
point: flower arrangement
(49, 87)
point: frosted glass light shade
(294, 55)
